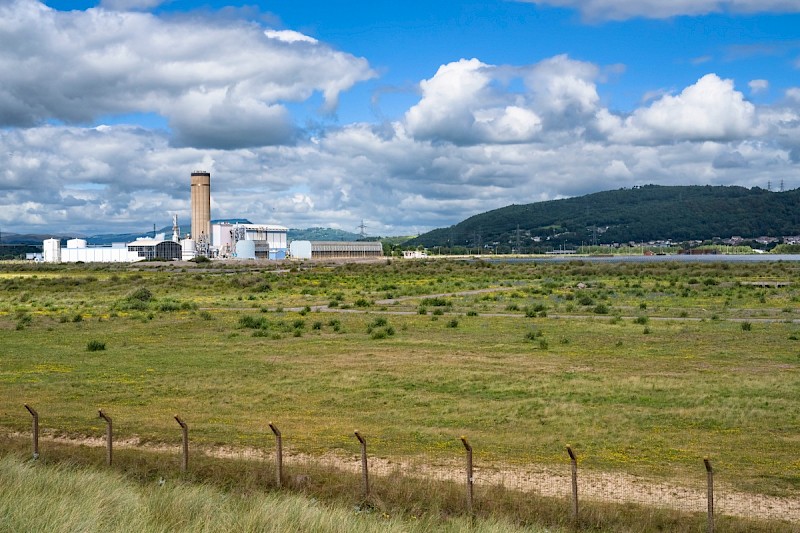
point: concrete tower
(201, 205)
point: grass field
(644, 368)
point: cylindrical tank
(188, 249)
(246, 250)
(201, 205)
(300, 249)
(76, 243)
(52, 250)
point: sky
(407, 116)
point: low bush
(95, 346)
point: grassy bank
(64, 498)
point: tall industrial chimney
(201, 205)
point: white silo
(188, 249)
(52, 250)
(76, 243)
(246, 250)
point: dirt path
(554, 481)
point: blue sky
(407, 115)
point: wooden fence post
(109, 438)
(185, 429)
(35, 416)
(470, 478)
(710, 477)
(364, 472)
(278, 454)
(574, 462)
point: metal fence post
(574, 462)
(109, 438)
(185, 429)
(470, 478)
(35, 416)
(710, 475)
(364, 471)
(278, 454)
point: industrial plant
(214, 240)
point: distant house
(414, 254)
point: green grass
(520, 387)
(66, 498)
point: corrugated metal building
(345, 249)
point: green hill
(647, 213)
(321, 234)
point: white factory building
(249, 241)
(77, 251)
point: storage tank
(300, 249)
(52, 250)
(246, 250)
(188, 249)
(76, 243)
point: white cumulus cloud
(658, 9)
(758, 86)
(711, 109)
(76, 66)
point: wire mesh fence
(464, 471)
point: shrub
(641, 320)
(436, 302)
(601, 309)
(253, 322)
(95, 346)
(472, 312)
(422, 310)
(362, 302)
(262, 287)
(141, 294)
(746, 326)
(77, 318)
(316, 325)
(453, 323)
(168, 306)
(205, 315)
(438, 312)
(543, 344)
